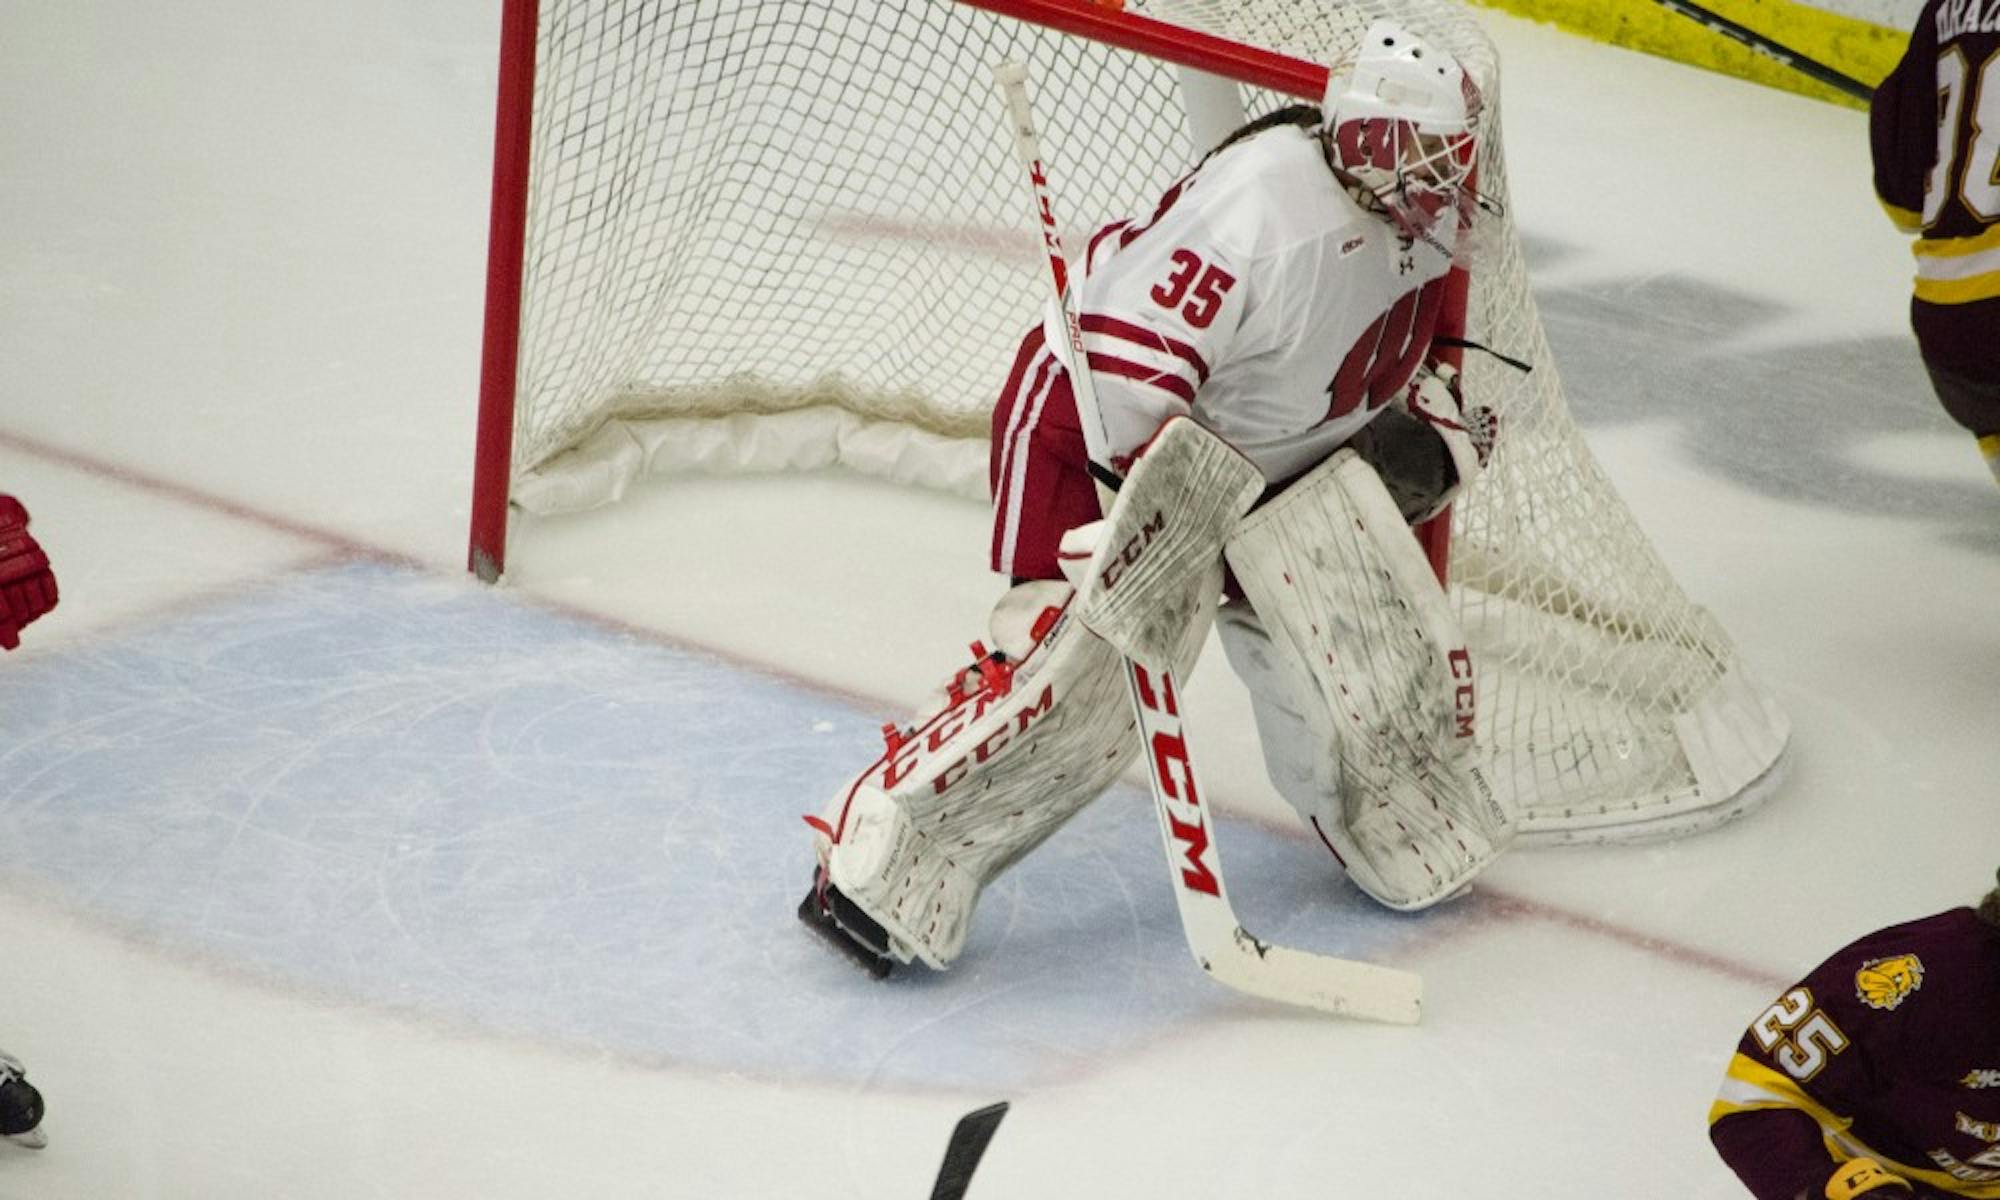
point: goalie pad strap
(1377, 671)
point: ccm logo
(985, 748)
(1463, 703)
(1128, 554)
(1174, 775)
(1051, 246)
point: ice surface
(324, 873)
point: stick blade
(1359, 990)
(962, 1154)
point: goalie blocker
(1364, 725)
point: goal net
(754, 235)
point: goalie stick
(1228, 952)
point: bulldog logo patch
(1885, 983)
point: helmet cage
(1402, 121)
(1416, 176)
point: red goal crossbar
(1169, 43)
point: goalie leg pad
(980, 781)
(1299, 758)
(1148, 576)
(1376, 667)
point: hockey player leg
(1150, 588)
(1376, 681)
(1038, 729)
(1018, 745)
(20, 1106)
(27, 587)
(1973, 400)
(1298, 759)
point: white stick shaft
(1013, 80)
(1216, 938)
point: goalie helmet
(1402, 121)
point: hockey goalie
(1266, 400)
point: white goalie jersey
(1260, 299)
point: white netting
(773, 234)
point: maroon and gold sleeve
(1777, 1152)
(1888, 1052)
(1902, 126)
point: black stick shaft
(961, 1155)
(1808, 67)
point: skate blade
(830, 930)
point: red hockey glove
(27, 587)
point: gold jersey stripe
(1959, 291)
(1960, 270)
(1956, 247)
(1907, 220)
(1750, 1085)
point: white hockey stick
(1226, 950)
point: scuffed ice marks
(405, 791)
(1789, 421)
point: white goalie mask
(1402, 120)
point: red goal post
(751, 235)
(506, 244)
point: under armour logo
(1406, 264)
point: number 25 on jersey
(1798, 1036)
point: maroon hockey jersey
(1888, 1050)
(1935, 135)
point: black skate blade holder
(849, 930)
